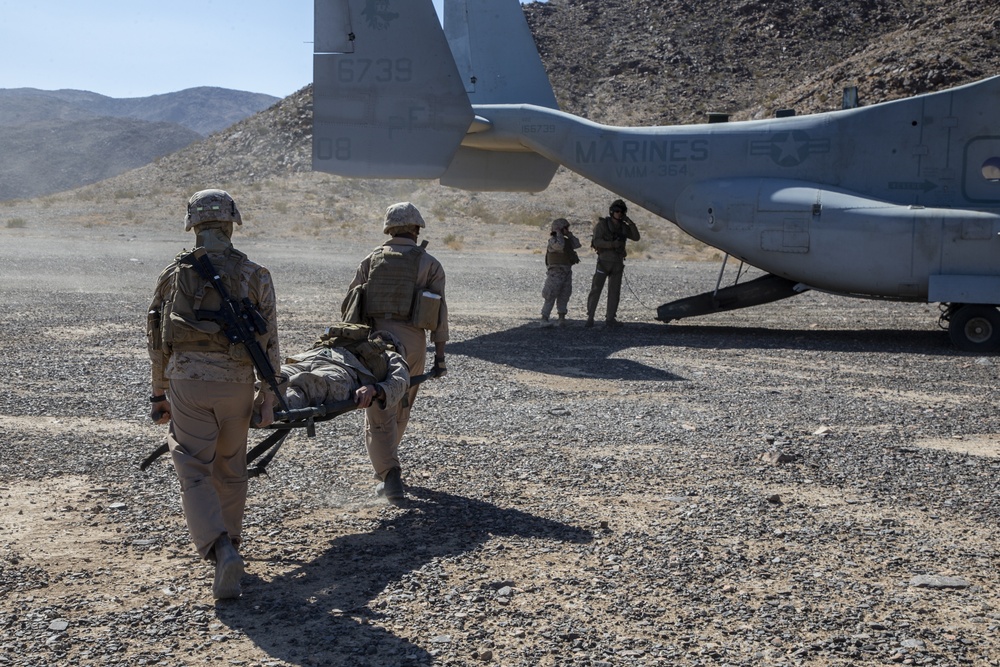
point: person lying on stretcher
(348, 361)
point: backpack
(343, 334)
(180, 327)
(357, 339)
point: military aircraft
(898, 201)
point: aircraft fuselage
(869, 201)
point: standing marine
(610, 235)
(203, 383)
(560, 256)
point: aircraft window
(991, 169)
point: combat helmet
(619, 205)
(560, 223)
(403, 214)
(211, 206)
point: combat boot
(590, 321)
(228, 569)
(562, 319)
(392, 486)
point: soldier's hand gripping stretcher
(159, 411)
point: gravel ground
(806, 483)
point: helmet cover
(403, 214)
(209, 206)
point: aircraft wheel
(975, 328)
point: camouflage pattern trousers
(557, 289)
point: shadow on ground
(319, 612)
(575, 351)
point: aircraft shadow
(319, 613)
(578, 352)
(570, 351)
(824, 340)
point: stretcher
(285, 422)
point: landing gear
(974, 327)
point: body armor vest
(567, 257)
(392, 281)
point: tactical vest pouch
(352, 309)
(154, 340)
(342, 334)
(372, 355)
(426, 309)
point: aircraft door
(747, 216)
(722, 214)
(969, 244)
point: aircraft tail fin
(388, 101)
(393, 91)
(498, 61)
(495, 53)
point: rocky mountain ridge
(671, 62)
(204, 109)
(62, 139)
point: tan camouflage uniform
(211, 399)
(384, 428)
(560, 256)
(328, 375)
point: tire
(975, 328)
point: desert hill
(672, 61)
(204, 109)
(61, 139)
(614, 61)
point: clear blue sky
(137, 48)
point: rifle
(240, 321)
